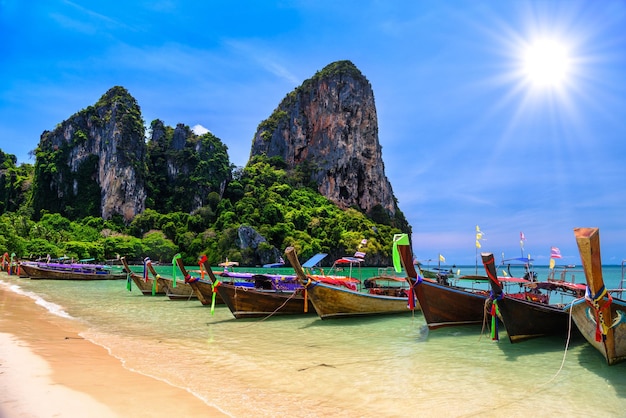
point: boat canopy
(311, 262)
(349, 260)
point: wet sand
(48, 370)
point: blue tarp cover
(311, 262)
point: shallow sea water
(367, 367)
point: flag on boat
(552, 263)
(522, 237)
(478, 244)
(398, 239)
(359, 254)
(442, 258)
(555, 252)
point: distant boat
(280, 263)
(600, 317)
(70, 271)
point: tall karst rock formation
(329, 123)
(93, 163)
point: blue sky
(470, 134)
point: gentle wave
(51, 307)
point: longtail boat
(147, 285)
(600, 317)
(173, 288)
(332, 301)
(70, 271)
(263, 296)
(442, 305)
(529, 314)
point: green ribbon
(398, 239)
(128, 282)
(176, 257)
(494, 320)
(214, 289)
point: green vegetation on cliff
(185, 171)
(15, 183)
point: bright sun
(546, 63)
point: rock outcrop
(93, 163)
(254, 247)
(329, 124)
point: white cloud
(199, 129)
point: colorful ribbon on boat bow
(214, 286)
(146, 263)
(598, 304)
(176, 257)
(494, 312)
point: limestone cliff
(93, 163)
(329, 123)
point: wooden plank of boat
(337, 302)
(601, 318)
(443, 305)
(85, 272)
(524, 318)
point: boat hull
(613, 345)
(145, 286)
(204, 292)
(445, 306)
(248, 302)
(182, 290)
(335, 302)
(524, 319)
(36, 272)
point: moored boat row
(523, 306)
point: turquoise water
(303, 366)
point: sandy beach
(48, 370)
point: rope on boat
(541, 385)
(276, 310)
(569, 335)
(486, 309)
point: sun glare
(546, 63)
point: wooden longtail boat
(332, 301)
(254, 302)
(174, 289)
(146, 284)
(527, 314)
(63, 271)
(444, 305)
(600, 317)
